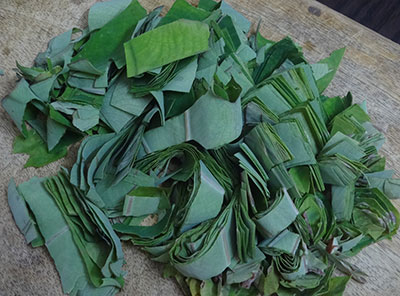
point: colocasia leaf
(169, 43)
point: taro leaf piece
(159, 162)
(183, 10)
(208, 5)
(59, 51)
(15, 103)
(211, 121)
(77, 96)
(177, 103)
(343, 145)
(211, 251)
(371, 208)
(343, 201)
(337, 285)
(188, 37)
(339, 170)
(107, 43)
(103, 168)
(335, 105)
(103, 12)
(145, 201)
(384, 182)
(183, 80)
(1, 72)
(313, 127)
(350, 121)
(232, 68)
(177, 76)
(149, 22)
(114, 117)
(69, 202)
(59, 240)
(267, 146)
(243, 23)
(24, 220)
(325, 69)
(34, 146)
(241, 271)
(208, 61)
(245, 227)
(253, 171)
(55, 131)
(275, 56)
(84, 117)
(312, 218)
(297, 143)
(84, 66)
(269, 282)
(226, 30)
(280, 215)
(205, 200)
(285, 242)
(124, 100)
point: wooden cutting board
(370, 69)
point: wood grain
(370, 69)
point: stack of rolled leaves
(207, 145)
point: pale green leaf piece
(84, 66)
(280, 215)
(124, 100)
(144, 201)
(169, 43)
(183, 10)
(343, 145)
(85, 117)
(55, 131)
(57, 235)
(59, 50)
(325, 69)
(42, 89)
(286, 242)
(384, 182)
(103, 12)
(206, 250)
(241, 271)
(183, 80)
(107, 43)
(243, 23)
(208, 61)
(297, 143)
(343, 201)
(205, 200)
(211, 121)
(15, 103)
(24, 220)
(267, 146)
(114, 117)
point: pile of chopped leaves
(211, 148)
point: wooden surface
(370, 69)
